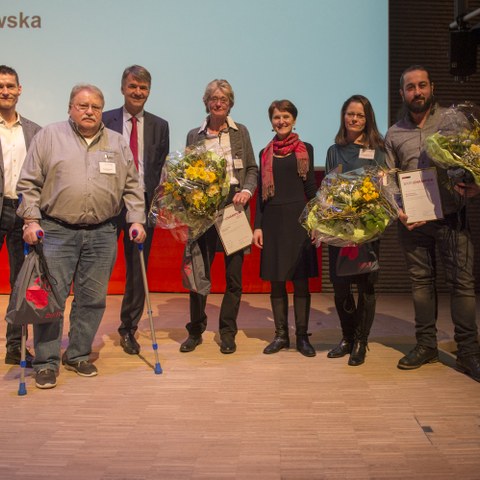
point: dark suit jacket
(156, 144)
(29, 130)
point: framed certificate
(233, 228)
(420, 195)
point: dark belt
(10, 202)
(76, 226)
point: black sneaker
(419, 356)
(83, 368)
(46, 378)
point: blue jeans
(86, 258)
(456, 252)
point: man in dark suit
(149, 144)
(16, 134)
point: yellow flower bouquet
(351, 208)
(193, 187)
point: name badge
(107, 167)
(237, 163)
(367, 153)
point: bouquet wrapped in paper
(193, 187)
(456, 146)
(351, 208)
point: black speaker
(463, 53)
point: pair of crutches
(22, 388)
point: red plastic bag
(356, 260)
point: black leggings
(365, 286)
(300, 288)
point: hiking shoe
(470, 365)
(83, 368)
(46, 378)
(420, 355)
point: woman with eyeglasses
(286, 182)
(358, 143)
(219, 130)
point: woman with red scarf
(286, 183)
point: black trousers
(11, 231)
(209, 244)
(134, 298)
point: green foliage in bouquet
(458, 147)
(351, 208)
(193, 188)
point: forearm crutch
(22, 387)
(158, 368)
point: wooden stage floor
(246, 415)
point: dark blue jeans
(85, 258)
(456, 253)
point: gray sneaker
(46, 378)
(83, 368)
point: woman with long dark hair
(358, 143)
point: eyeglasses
(222, 100)
(83, 107)
(360, 116)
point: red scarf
(283, 148)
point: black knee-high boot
(347, 313)
(301, 307)
(280, 318)
(365, 315)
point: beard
(419, 107)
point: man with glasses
(148, 136)
(16, 133)
(76, 179)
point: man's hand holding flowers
(456, 147)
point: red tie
(134, 140)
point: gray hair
(139, 72)
(85, 86)
(224, 86)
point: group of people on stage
(85, 180)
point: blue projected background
(313, 52)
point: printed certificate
(420, 194)
(233, 228)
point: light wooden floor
(246, 415)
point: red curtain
(164, 267)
